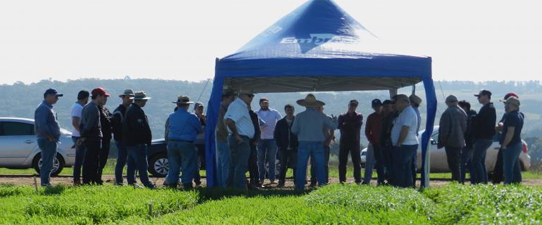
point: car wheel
(159, 165)
(58, 164)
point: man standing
(77, 109)
(287, 143)
(267, 147)
(388, 116)
(118, 117)
(466, 154)
(350, 126)
(511, 143)
(254, 176)
(484, 130)
(48, 133)
(241, 130)
(107, 132)
(498, 173)
(405, 142)
(452, 127)
(91, 135)
(309, 126)
(183, 129)
(372, 132)
(415, 102)
(222, 148)
(137, 138)
(329, 134)
(200, 142)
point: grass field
(333, 204)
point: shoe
(312, 185)
(273, 182)
(187, 186)
(136, 186)
(172, 186)
(151, 186)
(281, 184)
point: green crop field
(333, 204)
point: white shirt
(77, 109)
(271, 117)
(238, 112)
(407, 118)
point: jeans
(122, 158)
(288, 158)
(370, 162)
(240, 152)
(48, 154)
(327, 151)
(253, 165)
(479, 161)
(354, 149)
(453, 156)
(80, 152)
(267, 153)
(402, 160)
(223, 162)
(181, 154)
(511, 166)
(200, 162)
(91, 162)
(137, 155)
(414, 169)
(466, 163)
(498, 173)
(379, 160)
(388, 162)
(314, 150)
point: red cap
(100, 91)
(510, 95)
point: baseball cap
(512, 100)
(100, 91)
(376, 102)
(387, 102)
(51, 91)
(483, 92)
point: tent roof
(312, 47)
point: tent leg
(393, 92)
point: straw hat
(310, 101)
(183, 100)
(140, 95)
(127, 92)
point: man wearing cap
(221, 135)
(183, 129)
(350, 127)
(498, 173)
(372, 132)
(77, 109)
(452, 127)
(405, 142)
(267, 147)
(241, 130)
(118, 117)
(309, 126)
(137, 137)
(91, 135)
(484, 130)
(510, 141)
(48, 133)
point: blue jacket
(45, 121)
(183, 126)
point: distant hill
(20, 99)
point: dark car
(157, 158)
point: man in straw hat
(137, 137)
(183, 129)
(511, 143)
(452, 128)
(241, 130)
(309, 126)
(415, 102)
(118, 117)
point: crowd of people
(250, 141)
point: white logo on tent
(317, 39)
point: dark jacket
(135, 127)
(453, 124)
(90, 125)
(385, 129)
(105, 120)
(469, 134)
(116, 122)
(350, 126)
(484, 122)
(283, 135)
(256, 122)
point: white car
(19, 146)
(439, 163)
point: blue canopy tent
(317, 47)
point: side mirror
(433, 142)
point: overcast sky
(469, 40)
